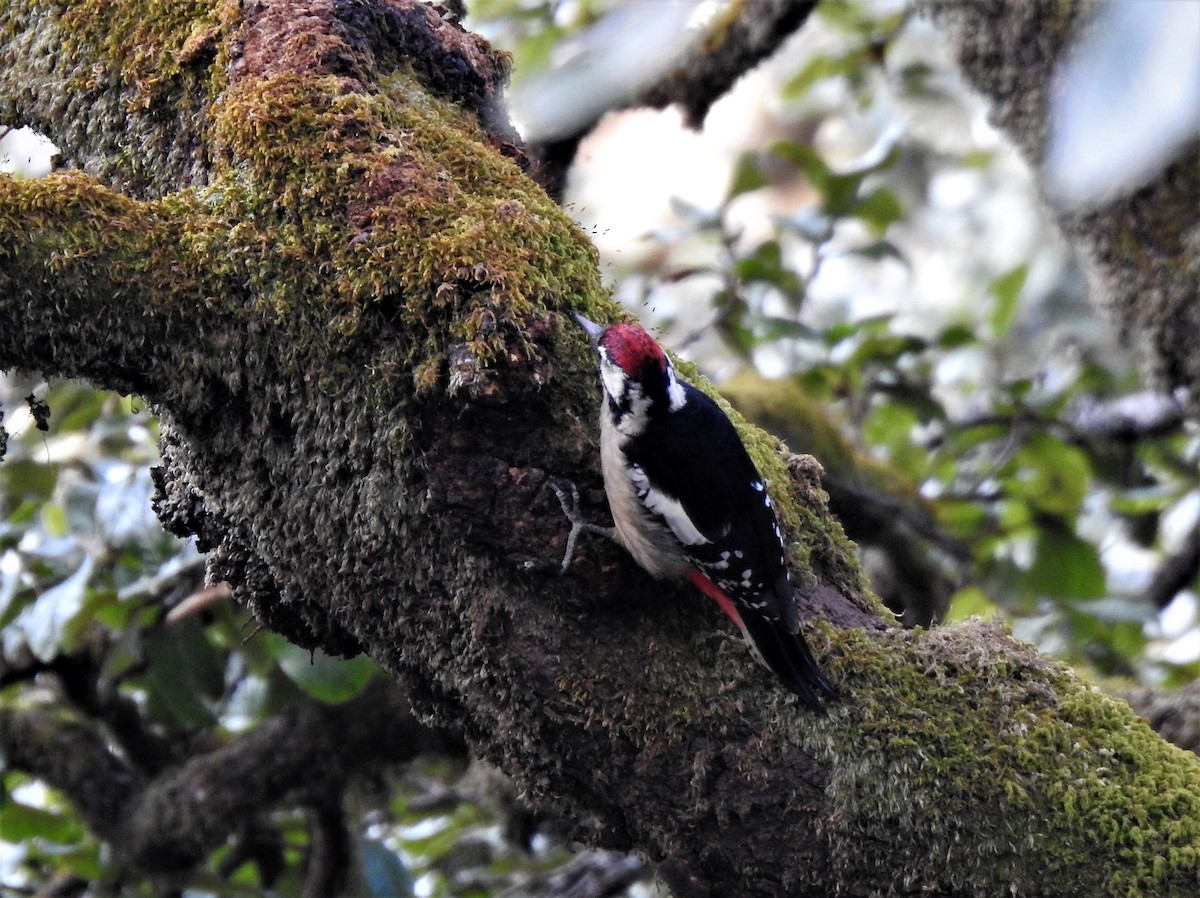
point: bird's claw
(578, 524)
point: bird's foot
(570, 507)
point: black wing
(706, 489)
(704, 482)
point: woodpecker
(688, 503)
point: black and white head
(639, 380)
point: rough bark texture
(347, 304)
(1144, 248)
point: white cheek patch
(667, 507)
(675, 391)
(614, 379)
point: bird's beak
(593, 329)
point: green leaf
(980, 159)
(533, 52)
(324, 677)
(19, 822)
(890, 424)
(24, 480)
(878, 250)
(747, 176)
(93, 602)
(766, 265)
(820, 381)
(1065, 566)
(879, 209)
(54, 519)
(1006, 290)
(818, 69)
(1050, 475)
(1147, 499)
(186, 674)
(838, 191)
(46, 621)
(1107, 642)
(83, 860)
(83, 409)
(970, 601)
(956, 336)
(784, 328)
(959, 517)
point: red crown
(632, 348)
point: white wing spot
(668, 507)
(758, 485)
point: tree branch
(737, 40)
(69, 755)
(1174, 715)
(364, 432)
(172, 822)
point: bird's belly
(648, 540)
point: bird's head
(637, 375)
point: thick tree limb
(68, 754)
(367, 381)
(1178, 571)
(1144, 248)
(742, 37)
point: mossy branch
(376, 383)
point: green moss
(1002, 778)
(995, 767)
(145, 44)
(425, 228)
(380, 229)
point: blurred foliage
(531, 29)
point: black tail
(790, 658)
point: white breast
(649, 541)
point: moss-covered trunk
(346, 300)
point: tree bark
(348, 305)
